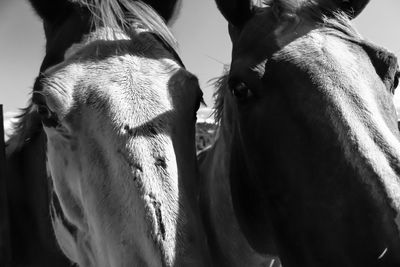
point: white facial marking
(130, 95)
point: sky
(199, 28)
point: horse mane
(26, 127)
(120, 15)
(220, 84)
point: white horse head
(119, 111)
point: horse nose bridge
(149, 159)
(155, 182)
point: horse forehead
(131, 81)
(124, 83)
(99, 61)
(257, 32)
(264, 35)
(138, 96)
(128, 89)
(323, 57)
(317, 44)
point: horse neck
(28, 195)
(227, 243)
(215, 161)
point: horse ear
(236, 12)
(52, 10)
(165, 8)
(351, 7)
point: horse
(102, 163)
(308, 147)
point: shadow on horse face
(316, 138)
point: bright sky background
(200, 29)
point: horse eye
(241, 91)
(49, 119)
(396, 80)
(44, 111)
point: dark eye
(241, 91)
(48, 117)
(396, 80)
(44, 112)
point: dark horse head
(315, 148)
(112, 120)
